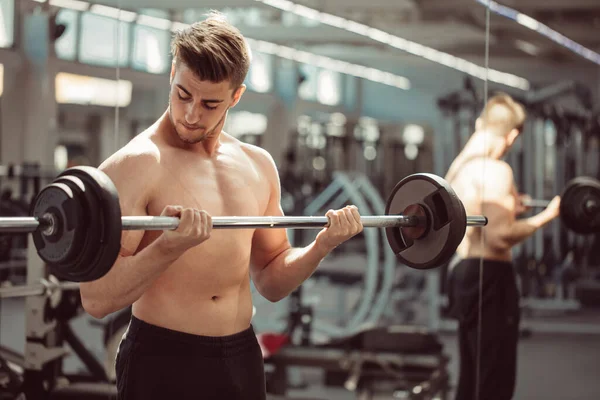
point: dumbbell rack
(43, 345)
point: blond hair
(213, 49)
(502, 114)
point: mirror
(553, 64)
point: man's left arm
(276, 268)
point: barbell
(579, 205)
(76, 223)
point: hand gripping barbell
(76, 223)
(579, 205)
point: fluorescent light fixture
(88, 90)
(331, 64)
(72, 4)
(542, 29)
(527, 47)
(416, 49)
(154, 22)
(111, 12)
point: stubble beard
(196, 140)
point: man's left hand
(521, 206)
(343, 224)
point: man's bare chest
(231, 191)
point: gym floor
(551, 366)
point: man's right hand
(521, 204)
(553, 209)
(194, 228)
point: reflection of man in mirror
(485, 184)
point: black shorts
(159, 363)
(500, 317)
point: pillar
(29, 107)
(282, 118)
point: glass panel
(7, 19)
(260, 75)
(329, 88)
(151, 49)
(307, 89)
(65, 46)
(98, 38)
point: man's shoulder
(488, 165)
(140, 156)
(497, 166)
(257, 154)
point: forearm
(522, 229)
(127, 280)
(289, 270)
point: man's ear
(237, 95)
(478, 124)
(512, 136)
(172, 72)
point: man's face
(198, 108)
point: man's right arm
(133, 272)
(499, 205)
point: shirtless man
(190, 335)
(486, 186)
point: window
(87, 90)
(320, 85)
(65, 45)
(151, 49)
(260, 75)
(307, 89)
(99, 38)
(328, 88)
(7, 23)
(245, 123)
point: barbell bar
(45, 287)
(590, 205)
(76, 223)
(536, 203)
(149, 223)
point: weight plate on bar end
(83, 265)
(446, 216)
(61, 246)
(573, 211)
(101, 202)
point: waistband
(142, 331)
(486, 262)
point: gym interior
(349, 98)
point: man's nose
(193, 114)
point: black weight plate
(573, 211)
(60, 247)
(446, 216)
(81, 266)
(102, 197)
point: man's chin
(191, 137)
(192, 140)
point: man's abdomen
(210, 309)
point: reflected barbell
(45, 287)
(76, 223)
(579, 205)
